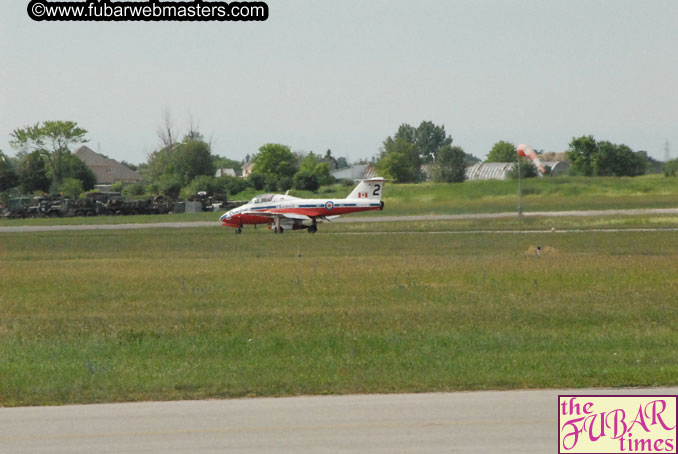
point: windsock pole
(520, 204)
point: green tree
(285, 183)
(52, 140)
(406, 132)
(450, 165)
(310, 164)
(159, 162)
(232, 185)
(323, 173)
(9, 178)
(170, 185)
(181, 161)
(469, 159)
(71, 188)
(618, 160)
(428, 139)
(603, 158)
(306, 180)
(74, 167)
(342, 163)
(671, 168)
(134, 190)
(224, 185)
(400, 160)
(271, 182)
(527, 169)
(581, 155)
(257, 181)
(206, 183)
(191, 159)
(331, 161)
(33, 173)
(503, 152)
(275, 159)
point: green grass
(495, 196)
(196, 313)
(539, 194)
(525, 223)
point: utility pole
(520, 201)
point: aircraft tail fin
(370, 188)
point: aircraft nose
(227, 218)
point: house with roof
(107, 171)
(247, 169)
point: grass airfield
(103, 316)
(490, 196)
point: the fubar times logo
(611, 424)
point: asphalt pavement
(351, 218)
(465, 422)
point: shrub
(134, 190)
(71, 188)
(257, 181)
(306, 181)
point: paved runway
(473, 422)
(349, 218)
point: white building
(227, 172)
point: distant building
(489, 171)
(356, 172)
(331, 163)
(247, 169)
(227, 172)
(106, 170)
(500, 170)
(557, 167)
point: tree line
(181, 166)
(185, 165)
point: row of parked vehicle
(107, 204)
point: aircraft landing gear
(277, 228)
(313, 227)
(238, 231)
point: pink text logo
(609, 424)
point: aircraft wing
(272, 214)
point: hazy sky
(344, 74)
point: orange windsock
(527, 151)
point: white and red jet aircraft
(284, 212)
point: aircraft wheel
(281, 230)
(313, 229)
(238, 231)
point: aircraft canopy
(262, 198)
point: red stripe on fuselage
(315, 212)
(238, 220)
